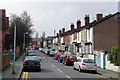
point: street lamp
(13, 67)
(24, 40)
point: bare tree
(23, 24)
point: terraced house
(101, 34)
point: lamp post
(13, 71)
(13, 67)
(24, 40)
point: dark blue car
(60, 58)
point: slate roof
(89, 26)
(104, 18)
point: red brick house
(4, 29)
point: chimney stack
(78, 24)
(87, 21)
(63, 30)
(7, 21)
(99, 17)
(59, 32)
(2, 12)
(72, 26)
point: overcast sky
(50, 15)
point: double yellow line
(25, 76)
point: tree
(23, 24)
(114, 55)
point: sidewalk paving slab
(7, 73)
(108, 73)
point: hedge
(114, 55)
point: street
(51, 68)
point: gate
(97, 60)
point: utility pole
(13, 67)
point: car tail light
(95, 64)
(83, 64)
(38, 62)
(24, 63)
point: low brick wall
(5, 60)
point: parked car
(44, 51)
(47, 52)
(40, 49)
(69, 59)
(61, 57)
(71, 53)
(31, 62)
(85, 64)
(52, 53)
(57, 55)
(29, 50)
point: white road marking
(67, 76)
(52, 65)
(59, 70)
(101, 76)
(49, 62)
(68, 67)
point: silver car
(85, 64)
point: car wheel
(60, 61)
(39, 69)
(24, 69)
(95, 71)
(65, 63)
(79, 69)
(74, 68)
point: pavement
(7, 73)
(108, 73)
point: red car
(57, 55)
(69, 59)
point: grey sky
(49, 16)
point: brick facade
(106, 34)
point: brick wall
(5, 60)
(106, 34)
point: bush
(114, 55)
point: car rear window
(72, 57)
(52, 51)
(60, 53)
(88, 61)
(31, 54)
(31, 58)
